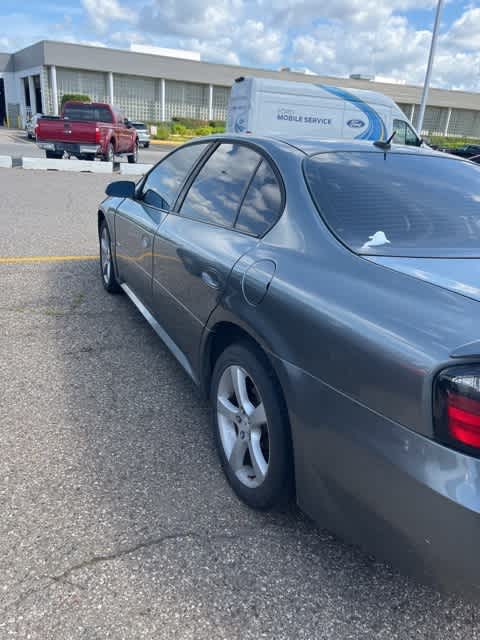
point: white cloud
(102, 12)
(465, 32)
(332, 37)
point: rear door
(138, 219)
(197, 247)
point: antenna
(385, 144)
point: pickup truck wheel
(54, 155)
(133, 157)
(109, 156)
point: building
(152, 87)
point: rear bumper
(397, 494)
(70, 147)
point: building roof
(5, 61)
(121, 61)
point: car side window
(262, 204)
(163, 183)
(411, 137)
(400, 128)
(216, 193)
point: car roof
(311, 146)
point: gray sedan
(325, 296)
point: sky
(388, 39)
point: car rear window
(398, 204)
(88, 112)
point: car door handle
(210, 280)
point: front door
(135, 225)
(137, 220)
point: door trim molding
(160, 331)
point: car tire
(107, 270)
(53, 155)
(253, 444)
(133, 157)
(110, 155)
(146, 145)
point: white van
(276, 107)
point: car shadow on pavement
(121, 515)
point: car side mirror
(127, 123)
(121, 189)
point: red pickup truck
(88, 130)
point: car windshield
(87, 112)
(398, 204)
(139, 125)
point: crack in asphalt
(115, 555)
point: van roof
(312, 90)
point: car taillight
(97, 135)
(457, 408)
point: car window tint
(400, 131)
(261, 206)
(85, 112)
(411, 137)
(164, 181)
(216, 192)
(400, 204)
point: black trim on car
(204, 159)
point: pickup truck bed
(86, 131)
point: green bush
(179, 129)
(217, 124)
(190, 123)
(74, 97)
(163, 133)
(220, 129)
(451, 142)
(203, 131)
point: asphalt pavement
(117, 521)
(14, 142)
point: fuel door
(256, 280)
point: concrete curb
(134, 169)
(67, 165)
(5, 162)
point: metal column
(162, 100)
(431, 57)
(449, 115)
(53, 82)
(210, 101)
(111, 95)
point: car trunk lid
(461, 275)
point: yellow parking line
(29, 259)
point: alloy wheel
(243, 426)
(105, 255)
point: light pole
(426, 86)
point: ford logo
(356, 124)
